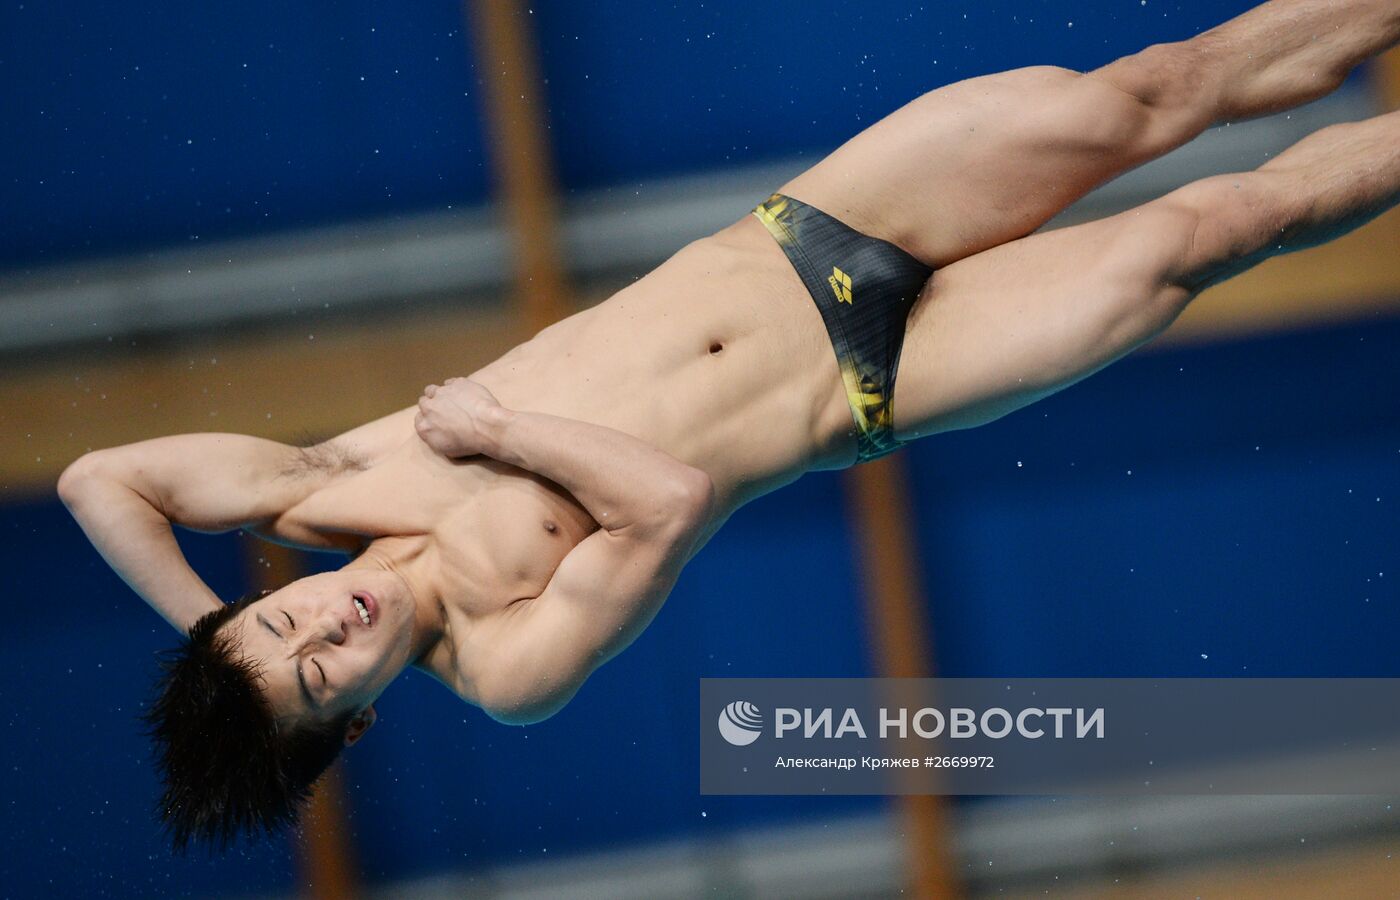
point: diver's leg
(1001, 329)
(986, 160)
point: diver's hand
(456, 419)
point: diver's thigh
(980, 161)
(1008, 326)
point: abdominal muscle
(717, 357)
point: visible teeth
(360, 608)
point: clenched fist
(454, 418)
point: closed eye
(323, 672)
(289, 618)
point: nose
(329, 628)
(335, 630)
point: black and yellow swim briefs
(864, 288)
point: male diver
(518, 527)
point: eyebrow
(301, 678)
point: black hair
(227, 765)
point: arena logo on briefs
(841, 284)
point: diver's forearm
(619, 479)
(138, 543)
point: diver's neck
(409, 557)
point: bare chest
(491, 534)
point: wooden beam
(877, 494)
(284, 384)
(878, 499)
(1359, 865)
(1385, 74)
(325, 858)
(345, 372)
(325, 852)
(522, 162)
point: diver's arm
(126, 498)
(620, 480)
(136, 540)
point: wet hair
(227, 765)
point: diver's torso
(717, 357)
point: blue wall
(1223, 510)
(132, 128)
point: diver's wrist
(496, 422)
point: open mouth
(366, 608)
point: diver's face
(318, 656)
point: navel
(715, 347)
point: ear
(360, 724)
